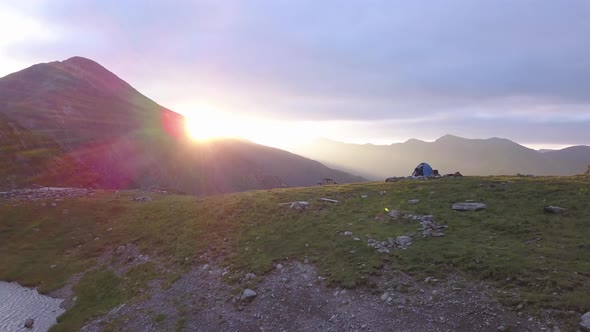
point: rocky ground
(293, 297)
(44, 193)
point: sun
(201, 127)
(204, 126)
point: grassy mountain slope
(104, 132)
(530, 256)
(494, 156)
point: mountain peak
(449, 137)
(80, 61)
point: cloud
(522, 62)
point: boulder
(469, 206)
(585, 322)
(248, 295)
(554, 209)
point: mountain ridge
(448, 153)
(96, 124)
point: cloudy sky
(357, 71)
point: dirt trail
(294, 298)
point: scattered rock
(120, 250)
(384, 296)
(403, 240)
(248, 295)
(413, 201)
(469, 206)
(279, 266)
(249, 276)
(300, 205)
(29, 323)
(347, 233)
(142, 199)
(364, 196)
(554, 209)
(394, 214)
(38, 193)
(585, 322)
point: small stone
(347, 233)
(469, 206)
(413, 201)
(364, 196)
(427, 279)
(142, 199)
(301, 205)
(250, 276)
(394, 214)
(279, 266)
(52, 266)
(519, 307)
(29, 323)
(120, 250)
(585, 322)
(205, 267)
(554, 209)
(54, 204)
(427, 218)
(305, 261)
(384, 296)
(356, 238)
(248, 295)
(403, 240)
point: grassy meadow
(531, 256)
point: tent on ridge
(423, 169)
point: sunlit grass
(250, 231)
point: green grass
(97, 292)
(250, 231)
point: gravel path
(295, 298)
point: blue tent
(423, 169)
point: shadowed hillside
(75, 123)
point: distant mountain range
(493, 156)
(74, 123)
